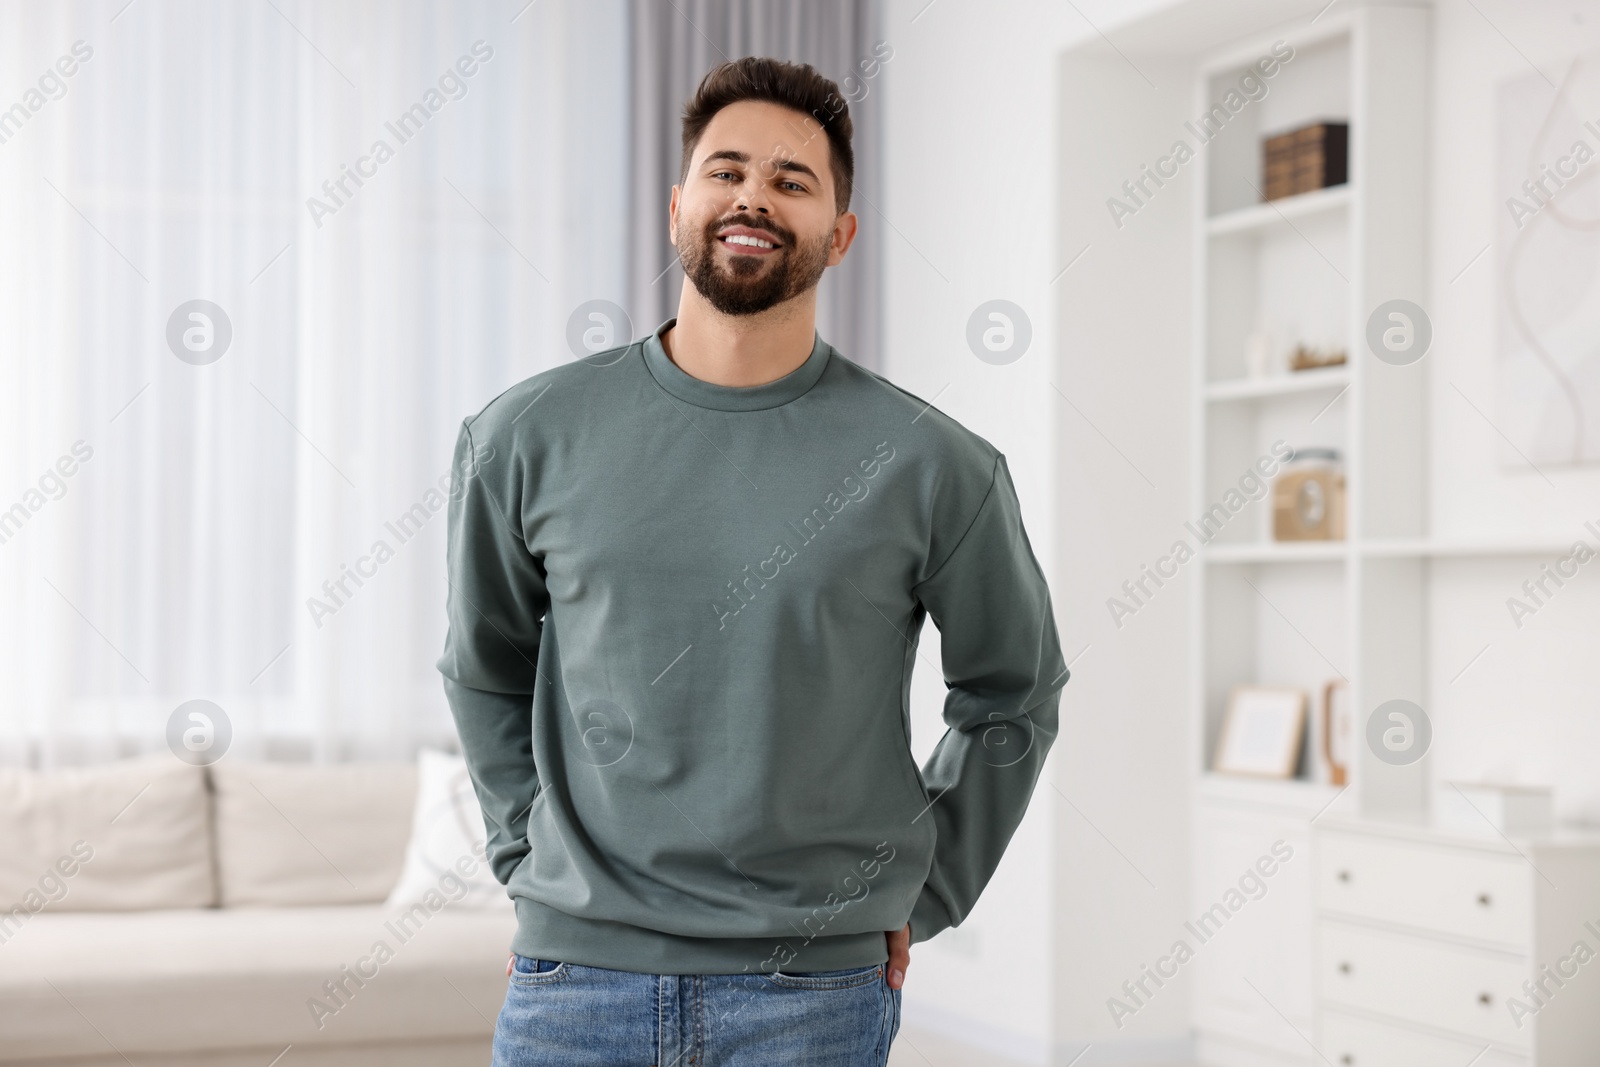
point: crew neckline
(685, 386)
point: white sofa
(226, 914)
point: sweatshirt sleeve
(1003, 667)
(495, 607)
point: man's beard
(748, 285)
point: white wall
(971, 203)
(1525, 710)
(1122, 857)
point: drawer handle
(1344, 876)
(1344, 966)
(1347, 1059)
(1485, 999)
(1483, 899)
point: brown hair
(793, 85)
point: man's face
(761, 171)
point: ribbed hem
(545, 933)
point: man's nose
(754, 194)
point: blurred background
(1278, 311)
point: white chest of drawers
(1437, 945)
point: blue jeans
(567, 1015)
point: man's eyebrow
(781, 164)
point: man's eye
(731, 174)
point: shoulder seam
(994, 480)
(488, 495)
(926, 405)
(625, 349)
(490, 403)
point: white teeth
(741, 239)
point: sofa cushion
(212, 978)
(446, 852)
(120, 836)
(295, 833)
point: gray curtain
(673, 44)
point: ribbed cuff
(928, 917)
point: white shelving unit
(1307, 269)
(1196, 273)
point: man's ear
(672, 216)
(844, 233)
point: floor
(922, 1048)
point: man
(687, 580)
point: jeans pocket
(850, 978)
(526, 971)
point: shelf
(1386, 548)
(1286, 384)
(1428, 827)
(1302, 794)
(1399, 548)
(1275, 552)
(1259, 217)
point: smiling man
(687, 581)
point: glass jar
(1308, 497)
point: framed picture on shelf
(1262, 732)
(1336, 731)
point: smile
(743, 245)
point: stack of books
(1299, 161)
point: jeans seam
(699, 1019)
(881, 1052)
(894, 1031)
(835, 983)
(661, 1005)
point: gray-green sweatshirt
(683, 619)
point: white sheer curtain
(175, 164)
